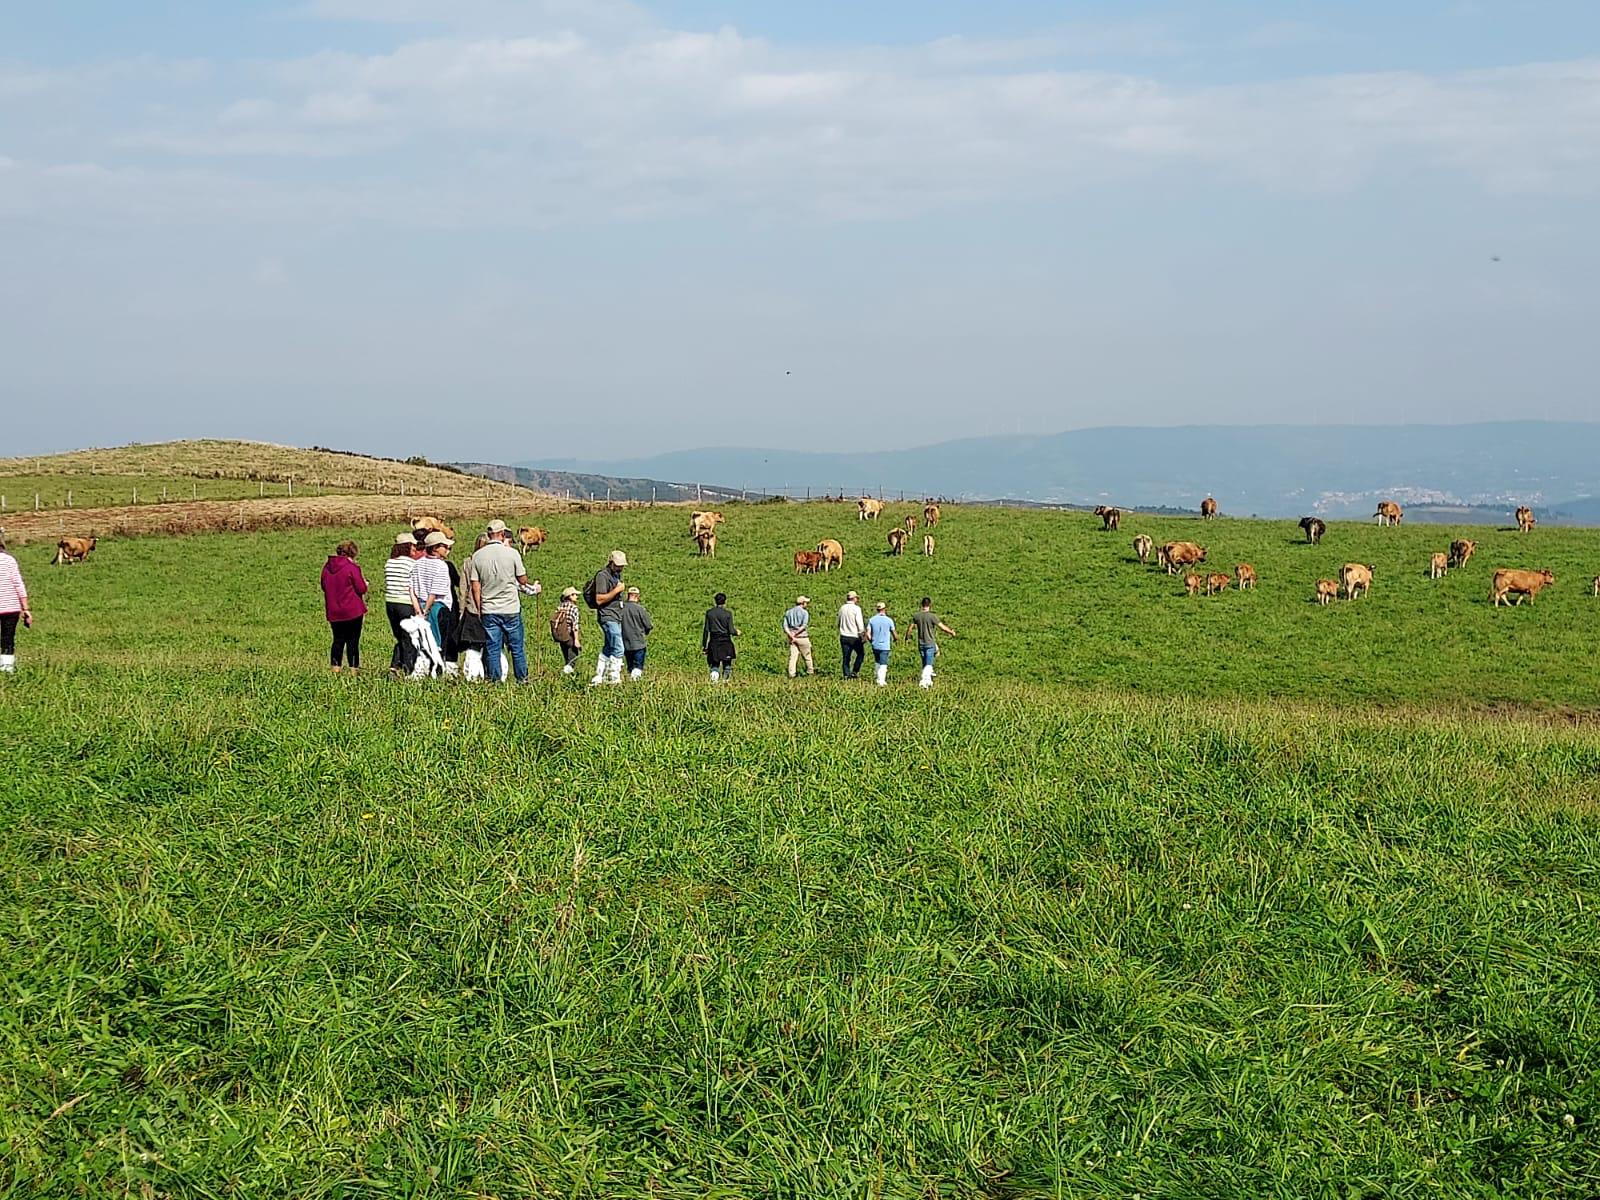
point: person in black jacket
(716, 638)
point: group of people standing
(439, 614)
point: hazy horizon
(598, 229)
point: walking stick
(537, 656)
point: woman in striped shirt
(430, 586)
(397, 599)
(13, 608)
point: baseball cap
(497, 526)
(882, 605)
(633, 591)
(436, 539)
(802, 599)
(851, 596)
(405, 539)
(618, 559)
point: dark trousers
(8, 632)
(569, 653)
(346, 642)
(405, 654)
(854, 652)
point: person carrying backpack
(565, 631)
(604, 594)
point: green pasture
(1150, 895)
(1037, 597)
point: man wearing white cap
(604, 595)
(852, 629)
(881, 630)
(498, 579)
(797, 628)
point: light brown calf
(1142, 547)
(1438, 564)
(531, 537)
(1355, 577)
(73, 550)
(706, 542)
(1217, 583)
(927, 544)
(1460, 550)
(930, 514)
(1245, 574)
(1327, 591)
(867, 509)
(897, 540)
(1192, 584)
(807, 562)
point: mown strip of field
(270, 933)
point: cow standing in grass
(1354, 578)
(1525, 521)
(1508, 582)
(73, 550)
(1438, 564)
(1208, 508)
(1313, 528)
(868, 509)
(1327, 591)
(1460, 550)
(1142, 548)
(1246, 575)
(832, 553)
(1389, 513)
(1110, 518)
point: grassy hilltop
(1150, 895)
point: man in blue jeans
(928, 627)
(881, 632)
(607, 592)
(498, 581)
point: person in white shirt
(852, 632)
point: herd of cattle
(1507, 586)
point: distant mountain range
(1469, 473)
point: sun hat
(618, 559)
(570, 593)
(436, 539)
(802, 599)
(497, 526)
(405, 539)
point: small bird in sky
(1494, 258)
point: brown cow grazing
(911, 522)
(1389, 513)
(1110, 518)
(1217, 583)
(1355, 577)
(1519, 584)
(701, 522)
(1245, 574)
(1142, 546)
(1460, 550)
(1208, 509)
(927, 545)
(1525, 521)
(1181, 554)
(73, 550)
(1313, 528)
(1192, 584)
(706, 542)
(832, 554)
(930, 514)
(897, 540)
(867, 509)
(1438, 564)
(531, 537)
(807, 562)
(1327, 590)
(425, 525)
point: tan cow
(1508, 582)
(1208, 509)
(702, 522)
(1389, 513)
(1142, 546)
(1438, 564)
(432, 525)
(927, 545)
(1525, 521)
(807, 562)
(1181, 554)
(911, 522)
(1192, 584)
(1460, 550)
(930, 514)
(897, 540)
(868, 509)
(1245, 574)
(1110, 518)
(73, 550)
(531, 537)
(1327, 590)
(832, 554)
(706, 542)
(1355, 577)
(1217, 583)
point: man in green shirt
(928, 625)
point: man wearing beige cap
(498, 580)
(797, 628)
(604, 594)
(852, 631)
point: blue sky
(504, 229)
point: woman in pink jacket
(13, 608)
(343, 588)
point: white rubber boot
(567, 670)
(715, 675)
(614, 673)
(601, 663)
(8, 663)
(636, 673)
(881, 674)
(927, 677)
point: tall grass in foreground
(267, 933)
